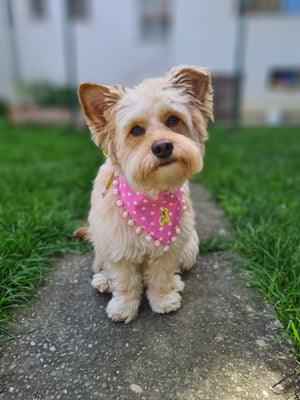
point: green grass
(46, 179)
(213, 244)
(254, 173)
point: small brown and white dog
(141, 221)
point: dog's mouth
(165, 163)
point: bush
(48, 94)
(3, 107)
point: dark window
(37, 8)
(77, 9)
(285, 78)
(154, 19)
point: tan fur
(83, 234)
(124, 261)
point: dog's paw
(165, 303)
(179, 284)
(119, 309)
(100, 282)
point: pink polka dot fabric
(159, 217)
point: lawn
(254, 173)
(46, 179)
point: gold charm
(165, 217)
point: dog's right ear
(97, 103)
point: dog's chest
(155, 219)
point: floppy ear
(97, 103)
(196, 82)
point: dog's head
(155, 132)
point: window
(285, 78)
(291, 6)
(154, 19)
(77, 9)
(37, 8)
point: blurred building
(251, 47)
(256, 40)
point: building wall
(109, 48)
(39, 42)
(111, 45)
(205, 34)
(271, 43)
(105, 47)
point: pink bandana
(159, 217)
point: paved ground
(213, 348)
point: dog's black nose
(162, 148)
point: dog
(141, 220)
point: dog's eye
(137, 131)
(172, 121)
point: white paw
(100, 282)
(165, 303)
(120, 309)
(179, 284)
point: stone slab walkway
(213, 348)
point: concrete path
(213, 348)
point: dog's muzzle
(162, 148)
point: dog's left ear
(197, 83)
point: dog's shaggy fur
(126, 122)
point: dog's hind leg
(101, 282)
(97, 264)
(190, 252)
(179, 284)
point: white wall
(109, 48)
(204, 33)
(39, 42)
(272, 41)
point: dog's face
(155, 132)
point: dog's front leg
(163, 285)
(126, 287)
